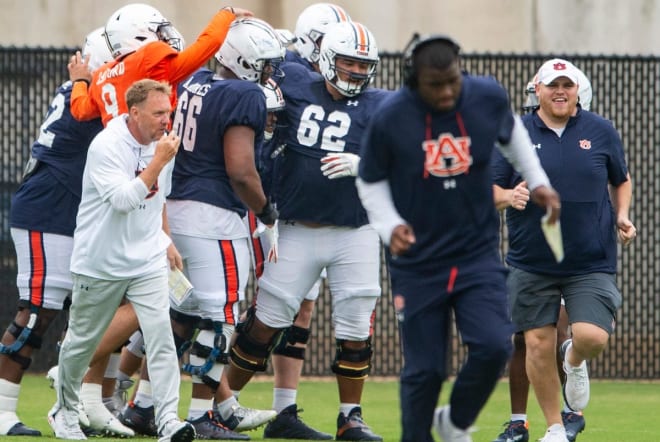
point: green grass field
(618, 411)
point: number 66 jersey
(314, 125)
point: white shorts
(350, 256)
(218, 271)
(43, 261)
(259, 248)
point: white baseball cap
(555, 68)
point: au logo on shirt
(585, 144)
(447, 156)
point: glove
(338, 165)
(271, 234)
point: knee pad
(23, 336)
(208, 354)
(248, 354)
(352, 363)
(290, 337)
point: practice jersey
(47, 200)
(314, 125)
(208, 106)
(438, 167)
(580, 164)
(119, 231)
(105, 96)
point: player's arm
(238, 145)
(516, 197)
(621, 197)
(83, 107)
(207, 44)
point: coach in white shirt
(120, 248)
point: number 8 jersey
(313, 125)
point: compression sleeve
(376, 199)
(83, 107)
(201, 50)
(520, 153)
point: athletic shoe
(576, 387)
(118, 400)
(208, 427)
(556, 433)
(287, 425)
(20, 429)
(53, 376)
(447, 431)
(140, 419)
(244, 419)
(175, 430)
(352, 427)
(514, 431)
(574, 424)
(65, 424)
(102, 420)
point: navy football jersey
(580, 164)
(315, 125)
(438, 167)
(47, 200)
(207, 106)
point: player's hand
(548, 198)
(167, 147)
(79, 67)
(239, 12)
(272, 235)
(625, 230)
(519, 196)
(401, 240)
(338, 165)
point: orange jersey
(106, 95)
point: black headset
(408, 71)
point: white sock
(236, 393)
(346, 408)
(225, 408)
(518, 417)
(283, 397)
(143, 397)
(90, 394)
(198, 407)
(8, 401)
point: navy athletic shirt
(580, 164)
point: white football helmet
(311, 26)
(274, 103)
(250, 49)
(585, 92)
(354, 41)
(97, 48)
(137, 24)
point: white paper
(552, 233)
(180, 287)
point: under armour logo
(537, 146)
(352, 103)
(84, 287)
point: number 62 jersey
(313, 125)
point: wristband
(268, 214)
(82, 79)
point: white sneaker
(65, 424)
(244, 419)
(576, 387)
(53, 376)
(102, 420)
(175, 430)
(447, 431)
(555, 433)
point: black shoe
(574, 424)
(208, 427)
(352, 427)
(514, 431)
(287, 425)
(142, 420)
(20, 429)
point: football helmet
(137, 24)
(274, 103)
(97, 48)
(353, 41)
(251, 50)
(311, 26)
(585, 93)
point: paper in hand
(552, 233)
(180, 287)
